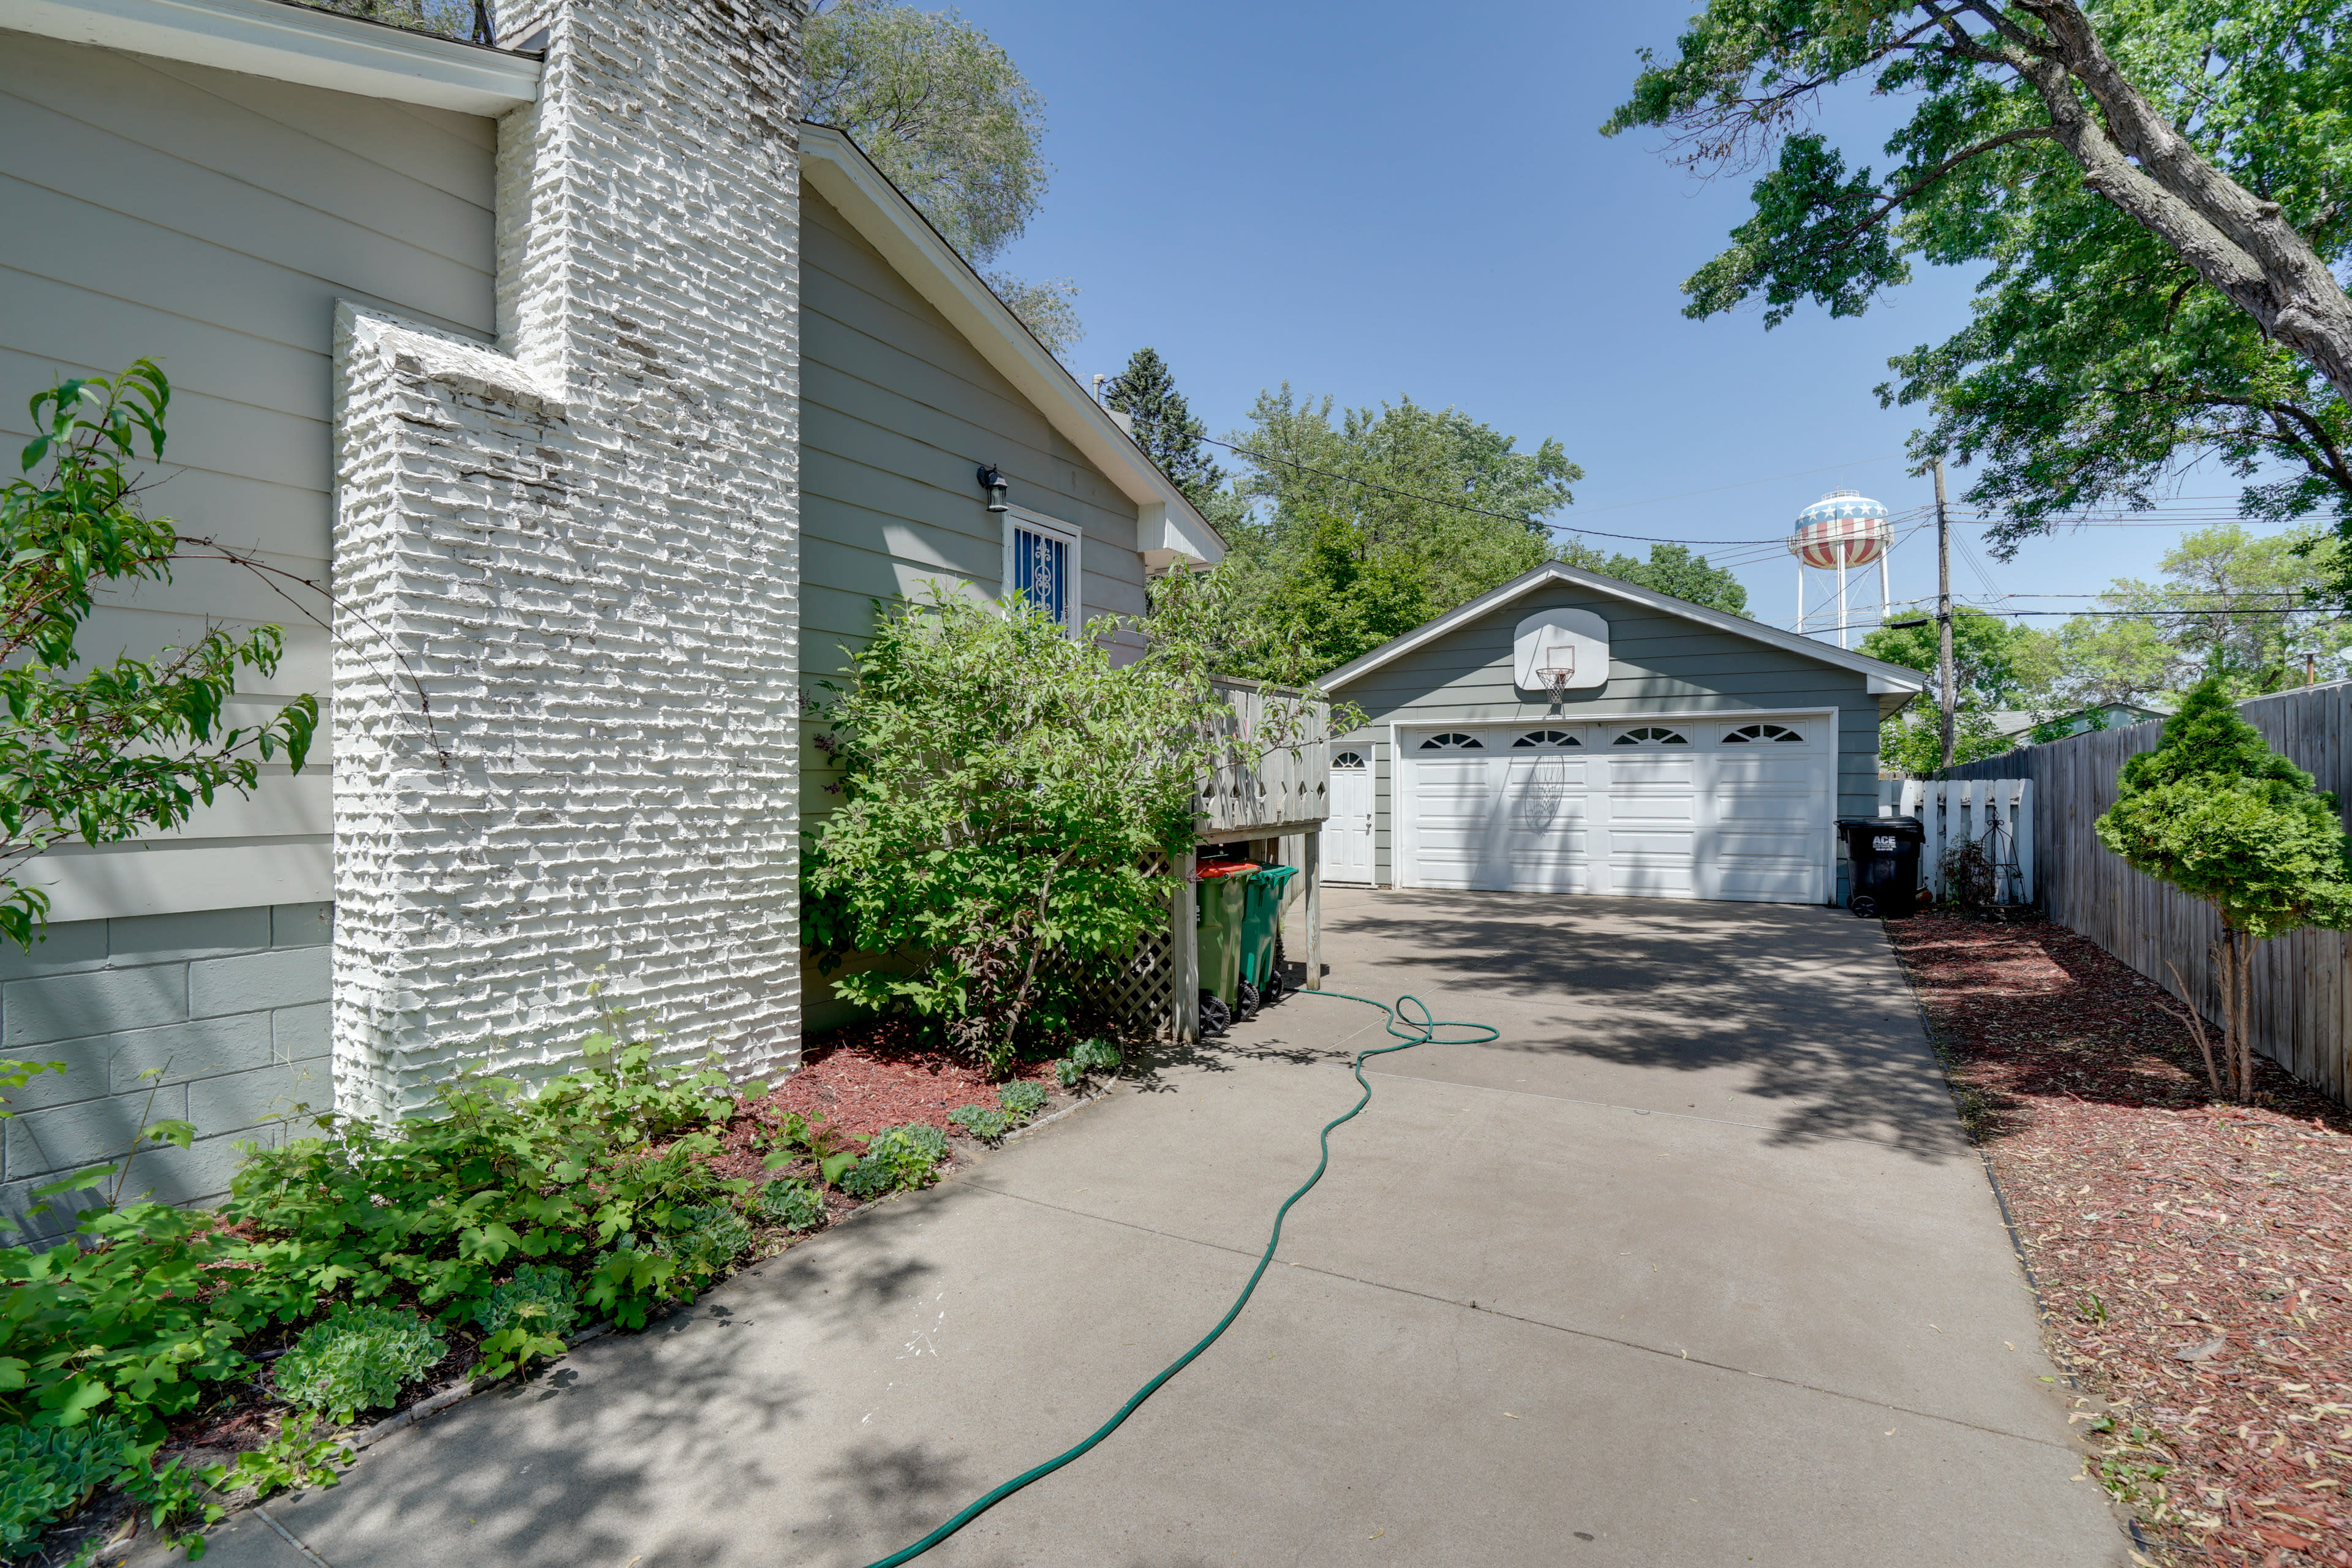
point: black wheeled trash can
(1882, 858)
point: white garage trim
(1620, 860)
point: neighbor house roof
(1884, 678)
(2017, 721)
(294, 43)
(842, 173)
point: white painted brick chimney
(565, 684)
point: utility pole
(1944, 609)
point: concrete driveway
(1692, 1265)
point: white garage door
(1731, 808)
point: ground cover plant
(2193, 1256)
(357, 1360)
(356, 1269)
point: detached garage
(1571, 733)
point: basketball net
(1557, 668)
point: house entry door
(1348, 831)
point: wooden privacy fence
(2303, 998)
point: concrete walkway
(1692, 1265)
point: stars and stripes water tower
(1843, 533)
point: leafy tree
(2247, 609)
(1912, 743)
(1005, 787)
(1997, 667)
(1048, 306)
(1164, 425)
(104, 752)
(1672, 569)
(1992, 659)
(1368, 524)
(942, 111)
(2159, 187)
(2217, 814)
(2094, 660)
(1226, 614)
(449, 18)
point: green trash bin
(1217, 920)
(1262, 900)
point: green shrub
(791, 1203)
(896, 1157)
(357, 1360)
(1005, 787)
(47, 1472)
(1022, 1100)
(981, 1121)
(149, 1316)
(541, 1297)
(1086, 1058)
(704, 1239)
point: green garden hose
(1414, 1031)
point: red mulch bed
(863, 1079)
(2194, 1257)
(878, 1075)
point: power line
(2133, 614)
(1778, 541)
(1522, 518)
(1743, 484)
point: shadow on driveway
(1802, 1007)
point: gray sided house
(574, 403)
(1570, 733)
(913, 375)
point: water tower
(1842, 532)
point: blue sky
(1373, 200)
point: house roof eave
(285, 42)
(833, 163)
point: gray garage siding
(1656, 663)
(898, 410)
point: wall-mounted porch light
(993, 483)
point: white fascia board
(292, 43)
(877, 209)
(1882, 676)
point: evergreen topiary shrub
(2220, 816)
(360, 1359)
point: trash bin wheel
(1214, 1017)
(1864, 907)
(1245, 1000)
